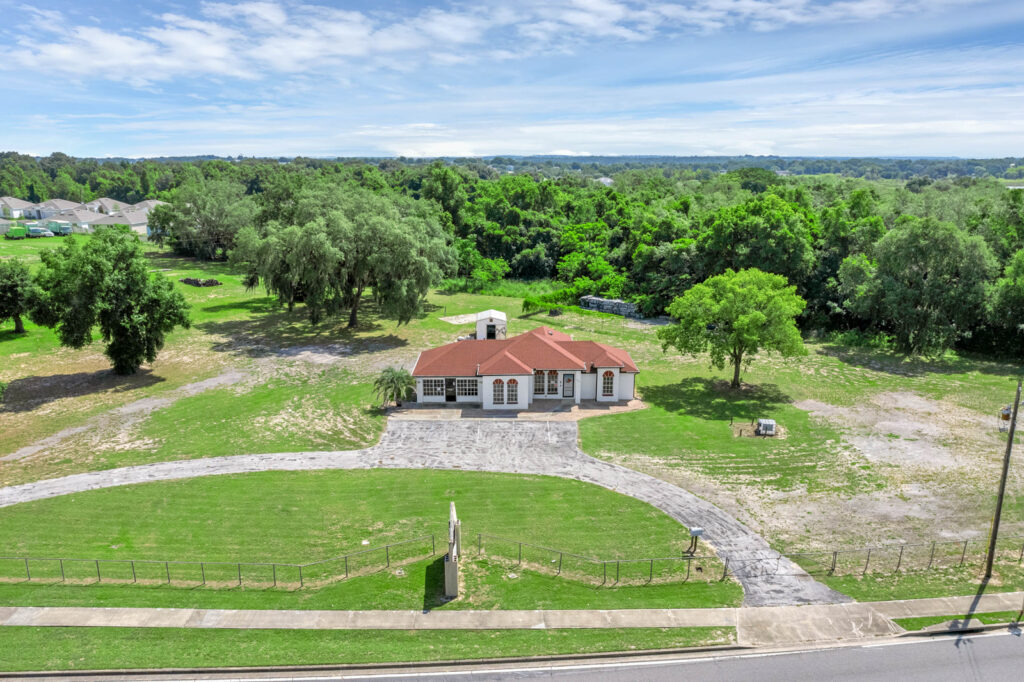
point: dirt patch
(460, 319)
(748, 430)
(904, 428)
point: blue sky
(282, 78)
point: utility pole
(1002, 487)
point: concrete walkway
(755, 626)
(498, 445)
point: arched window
(553, 382)
(538, 382)
(512, 396)
(608, 384)
(499, 392)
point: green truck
(16, 232)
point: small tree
(16, 291)
(393, 384)
(734, 316)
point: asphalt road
(997, 656)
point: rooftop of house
(15, 203)
(128, 217)
(496, 314)
(59, 204)
(146, 205)
(542, 348)
(79, 215)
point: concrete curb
(356, 667)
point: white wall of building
(588, 386)
(627, 386)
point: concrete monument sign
(451, 560)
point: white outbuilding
(491, 324)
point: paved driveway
(499, 445)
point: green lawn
(299, 517)
(993, 618)
(938, 582)
(31, 648)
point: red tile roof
(540, 348)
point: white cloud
(259, 39)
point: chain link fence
(637, 571)
(216, 574)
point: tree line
(921, 264)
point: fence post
(559, 563)
(167, 570)
(725, 573)
(835, 557)
(346, 565)
(134, 579)
(520, 554)
(28, 574)
(932, 557)
(616, 572)
(433, 545)
(202, 567)
(899, 561)
(387, 555)
(650, 577)
(275, 574)
(479, 543)
(239, 575)
(301, 584)
(963, 555)
(62, 570)
(98, 579)
(1021, 557)
(604, 564)
(688, 562)
(867, 562)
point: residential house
(105, 205)
(147, 205)
(5, 225)
(540, 365)
(11, 207)
(50, 208)
(81, 219)
(137, 221)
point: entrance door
(491, 333)
(567, 388)
(449, 390)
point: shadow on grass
(712, 399)
(11, 335)
(433, 585)
(898, 364)
(283, 333)
(24, 395)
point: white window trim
(467, 388)
(433, 388)
(608, 391)
(498, 392)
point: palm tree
(394, 383)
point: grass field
(299, 517)
(28, 648)
(877, 447)
(993, 618)
(941, 582)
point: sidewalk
(756, 626)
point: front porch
(540, 410)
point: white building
(542, 364)
(81, 219)
(491, 324)
(137, 221)
(106, 205)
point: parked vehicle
(16, 232)
(34, 232)
(60, 230)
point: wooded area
(894, 258)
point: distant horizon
(448, 79)
(329, 157)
